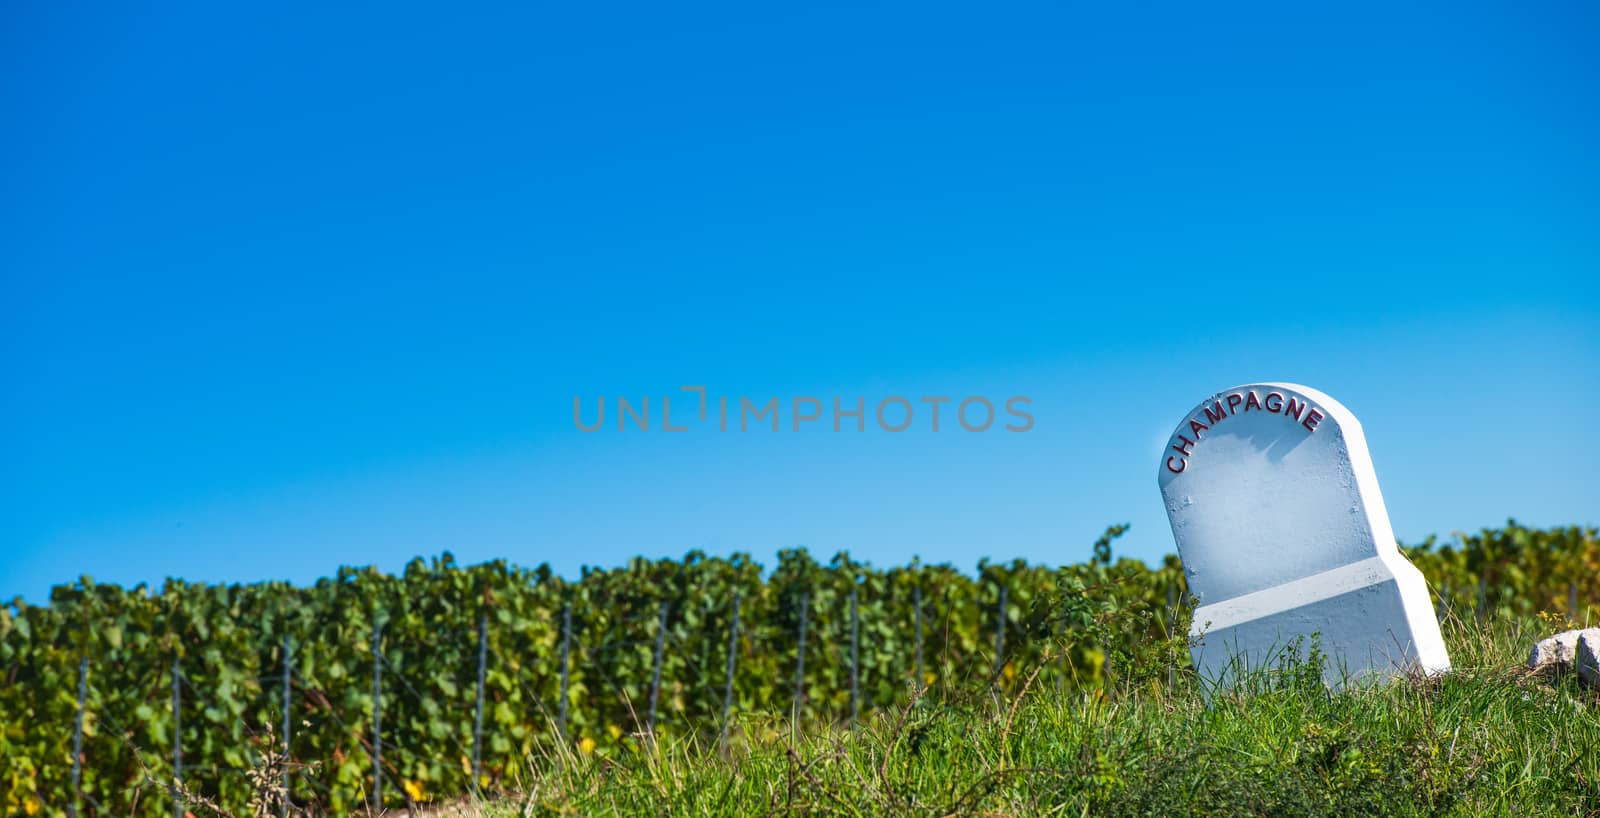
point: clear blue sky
(289, 288)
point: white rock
(1588, 658)
(1557, 651)
(1276, 513)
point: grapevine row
(198, 671)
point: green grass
(1485, 739)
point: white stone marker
(1283, 534)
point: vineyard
(452, 679)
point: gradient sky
(284, 289)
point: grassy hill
(1485, 739)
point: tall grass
(1487, 738)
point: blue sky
(283, 289)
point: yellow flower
(586, 745)
(31, 806)
(415, 790)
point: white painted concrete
(1276, 513)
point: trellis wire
(417, 697)
(177, 738)
(477, 715)
(655, 671)
(855, 658)
(77, 737)
(377, 716)
(566, 646)
(733, 652)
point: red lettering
(1182, 464)
(1197, 427)
(1252, 401)
(1274, 408)
(1295, 408)
(1186, 448)
(1312, 419)
(1233, 401)
(1213, 417)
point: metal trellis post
(733, 653)
(286, 725)
(377, 716)
(855, 658)
(177, 738)
(916, 606)
(566, 646)
(77, 736)
(477, 715)
(655, 673)
(1000, 635)
(800, 659)
(1172, 623)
